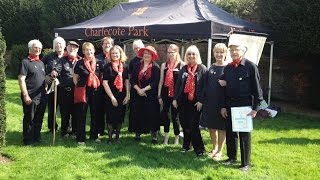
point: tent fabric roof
(154, 19)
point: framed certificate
(240, 121)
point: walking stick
(54, 111)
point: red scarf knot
(236, 62)
(190, 83)
(33, 57)
(147, 73)
(118, 81)
(169, 80)
(93, 80)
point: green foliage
(240, 8)
(296, 25)
(19, 52)
(46, 51)
(20, 20)
(60, 13)
(2, 91)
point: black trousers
(67, 112)
(164, 116)
(232, 137)
(50, 99)
(95, 100)
(32, 119)
(189, 119)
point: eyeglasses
(236, 49)
(191, 53)
(171, 52)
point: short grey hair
(137, 42)
(34, 42)
(60, 40)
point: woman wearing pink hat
(145, 80)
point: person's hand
(199, 106)
(222, 82)
(48, 79)
(126, 100)
(142, 92)
(160, 101)
(54, 74)
(27, 100)
(253, 113)
(224, 113)
(175, 104)
(114, 102)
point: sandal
(217, 156)
(212, 153)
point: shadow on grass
(291, 141)
(14, 98)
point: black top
(64, 67)
(182, 78)
(102, 57)
(153, 81)
(35, 75)
(50, 60)
(110, 75)
(164, 90)
(83, 73)
(243, 81)
(132, 63)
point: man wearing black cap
(50, 61)
(64, 69)
(241, 79)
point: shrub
(19, 52)
(2, 91)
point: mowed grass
(286, 147)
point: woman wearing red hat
(187, 96)
(116, 85)
(145, 80)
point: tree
(59, 13)
(2, 91)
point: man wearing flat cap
(242, 88)
(64, 69)
(50, 61)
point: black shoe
(200, 153)
(184, 150)
(28, 143)
(229, 162)
(244, 168)
(137, 138)
(154, 141)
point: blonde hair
(87, 45)
(108, 38)
(193, 49)
(177, 49)
(221, 46)
(123, 56)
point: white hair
(60, 40)
(137, 42)
(34, 42)
(195, 50)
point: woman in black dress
(187, 96)
(213, 93)
(168, 78)
(116, 85)
(145, 81)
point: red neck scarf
(141, 72)
(93, 80)
(118, 81)
(33, 57)
(72, 59)
(190, 84)
(236, 62)
(169, 80)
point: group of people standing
(179, 90)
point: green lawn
(286, 147)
